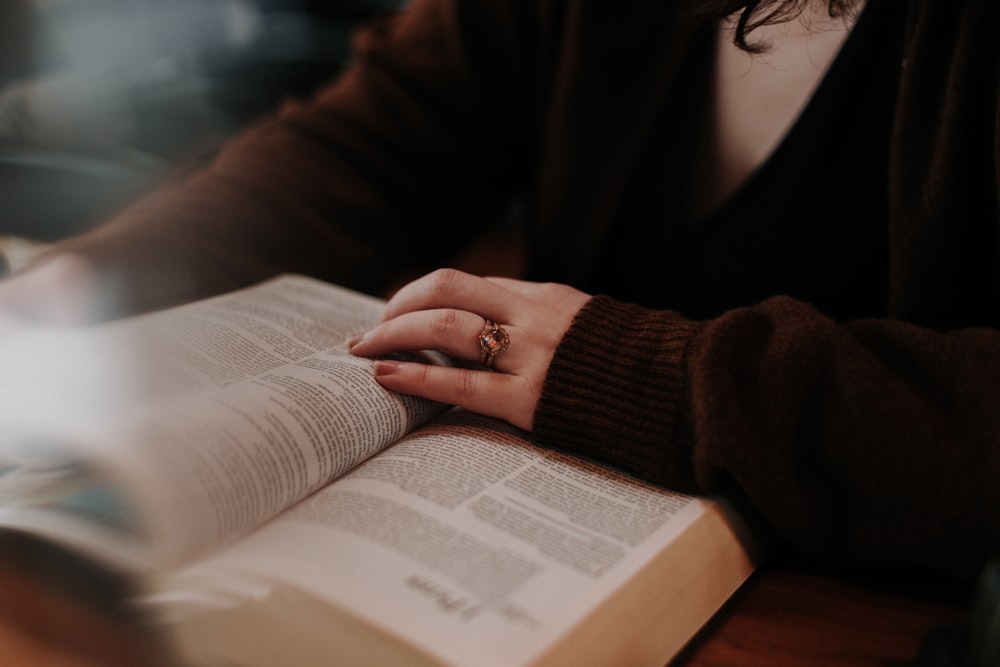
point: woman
(791, 228)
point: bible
(276, 505)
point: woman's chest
(754, 99)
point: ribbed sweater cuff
(617, 391)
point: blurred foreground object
(100, 99)
(17, 252)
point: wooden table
(58, 612)
(793, 614)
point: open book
(279, 507)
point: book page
(202, 421)
(469, 542)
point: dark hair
(756, 13)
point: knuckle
(467, 386)
(422, 375)
(442, 281)
(446, 322)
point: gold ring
(493, 341)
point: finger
(507, 397)
(449, 288)
(454, 332)
(519, 287)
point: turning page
(150, 440)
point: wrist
(616, 390)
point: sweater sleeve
(868, 443)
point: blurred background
(101, 99)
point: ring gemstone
(492, 342)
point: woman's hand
(447, 311)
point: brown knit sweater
(865, 442)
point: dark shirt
(811, 222)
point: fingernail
(355, 339)
(385, 367)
